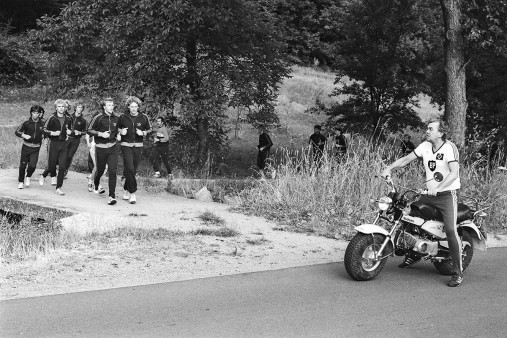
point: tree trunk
(203, 136)
(455, 102)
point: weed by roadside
(210, 218)
(222, 231)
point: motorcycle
(412, 227)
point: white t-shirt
(436, 163)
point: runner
(32, 133)
(78, 129)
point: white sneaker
(27, 181)
(41, 180)
(132, 199)
(156, 174)
(90, 187)
(111, 201)
(20, 185)
(126, 195)
(54, 180)
(59, 192)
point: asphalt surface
(312, 301)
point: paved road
(312, 301)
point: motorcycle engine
(419, 245)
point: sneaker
(132, 199)
(111, 201)
(90, 187)
(409, 261)
(59, 192)
(156, 174)
(53, 180)
(20, 185)
(27, 181)
(41, 180)
(126, 195)
(170, 177)
(456, 280)
(101, 190)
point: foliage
(386, 52)
(22, 14)
(200, 55)
(17, 66)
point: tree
(385, 53)
(204, 55)
(22, 15)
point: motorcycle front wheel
(359, 256)
(467, 253)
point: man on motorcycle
(441, 162)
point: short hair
(35, 108)
(131, 99)
(79, 103)
(317, 126)
(443, 127)
(60, 101)
(107, 99)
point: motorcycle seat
(426, 211)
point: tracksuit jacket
(77, 123)
(141, 122)
(53, 124)
(102, 123)
(33, 128)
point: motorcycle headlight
(384, 203)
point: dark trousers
(161, 152)
(29, 157)
(72, 145)
(447, 204)
(57, 156)
(131, 159)
(261, 159)
(109, 157)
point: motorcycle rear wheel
(359, 255)
(447, 268)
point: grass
(38, 232)
(222, 231)
(338, 198)
(210, 218)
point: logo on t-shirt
(432, 165)
(440, 157)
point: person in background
(57, 130)
(407, 146)
(340, 144)
(133, 127)
(78, 127)
(497, 154)
(161, 149)
(317, 142)
(104, 129)
(32, 133)
(264, 147)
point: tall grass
(337, 197)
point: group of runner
(106, 134)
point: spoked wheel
(360, 261)
(467, 253)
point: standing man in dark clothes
(57, 130)
(161, 149)
(104, 129)
(264, 146)
(340, 144)
(32, 133)
(78, 127)
(407, 146)
(317, 143)
(133, 127)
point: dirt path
(100, 265)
